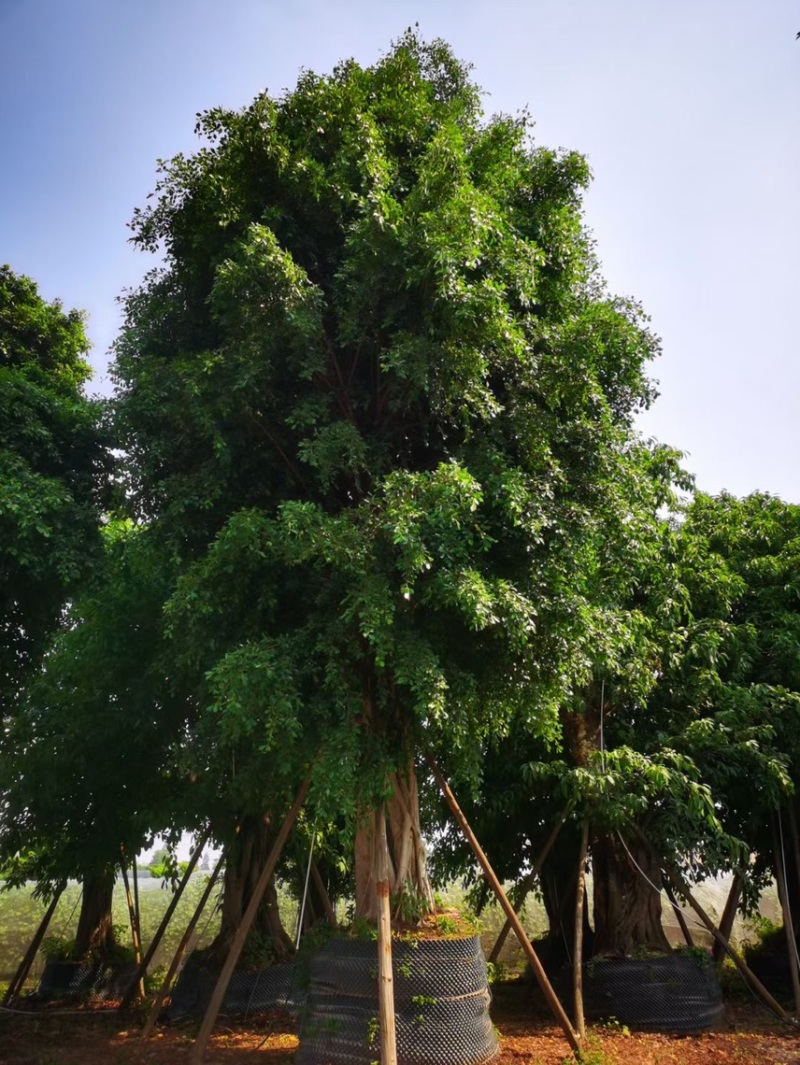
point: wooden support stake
(137, 907)
(726, 920)
(218, 995)
(530, 880)
(795, 836)
(682, 889)
(687, 935)
(149, 953)
(330, 913)
(577, 960)
(187, 935)
(24, 967)
(385, 978)
(783, 898)
(502, 898)
(137, 947)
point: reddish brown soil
(748, 1037)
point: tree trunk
(726, 922)
(411, 893)
(244, 860)
(95, 933)
(559, 882)
(627, 909)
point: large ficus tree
(377, 398)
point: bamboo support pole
(783, 898)
(794, 835)
(530, 880)
(386, 1018)
(137, 907)
(163, 991)
(218, 995)
(137, 947)
(530, 953)
(150, 952)
(24, 967)
(577, 961)
(687, 935)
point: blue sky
(689, 113)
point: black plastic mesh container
(671, 993)
(252, 991)
(91, 981)
(441, 1004)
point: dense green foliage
(735, 694)
(380, 402)
(52, 466)
(94, 750)
(382, 494)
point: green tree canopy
(733, 699)
(92, 757)
(378, 399)
(52, 472)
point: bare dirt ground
(747, 1036)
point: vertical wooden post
(176, 960)
(783, 898)
(530, 880)
(577, 960)
(24, 967)
(502, 898)
(137, 949)
(136, 906)
(148, 957)
(385, 977)
(218, 995)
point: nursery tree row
(370, 488)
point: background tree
(736, 692)
(599, 767)
(377, 398)
(53, 470)
(53, 482)
(93, 755)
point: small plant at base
(446, 925)
(762, 927)
(362, 929)
(153, 980)
(373, 1030)
(590, 1053)
(700, 955)
(496, 972)
(615, 1027)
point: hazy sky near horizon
(689, 114)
